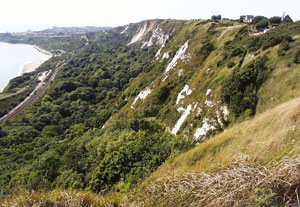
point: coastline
(28, 67)
(43, 51)
(32, 66)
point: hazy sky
(16, 15)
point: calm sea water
(12, 59)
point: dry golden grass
(234, 186)
(267, 138)
(60, 198)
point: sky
(21, 15)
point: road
(34, 97)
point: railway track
(33, 98)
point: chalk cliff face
(192, 62)
(190, 99)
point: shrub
(132, 154)
(239, 90)
(255, 44)
(272, 41)
(275, 20)
(262, 24)
(258, 19)
(297, 57)
(237, 52)
(230, 64)
(264, 199)
(216, 17)
(284, 46)
(206, 49)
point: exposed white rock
(222, 114)
(126, 28)
(165, 78)
(180, 72)
(183, 117)
(225, 111)
(202, 131)
(208, 92)
(159, 51)
(219, 118)
(166, 55)
(180, 109)
(199, 111)
(144, 44)
(142, 95)
(180, 55)
(186, 90)
(195, 106)
(209, 103)
(139, 35)
(158, 37)
(208, 70)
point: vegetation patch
(240, 89)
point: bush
(297, 57)
(206, 49)
(132, 154)
(283, 47)
(264, 199)
(275, 20)
(272, 41)
(240, 89)
(230, 64)
(258, 19)
(262, 24)
(237, 52)
(216, 17)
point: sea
(13, 57)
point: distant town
(69, 30)
(260, 24)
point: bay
(13, 57)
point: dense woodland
(59, 141)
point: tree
(262, 24)
(216, 17)
(297, 57)
(258, 19)
(2, 133)
(275, 20)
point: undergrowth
(244, 183)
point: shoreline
(32, 66)
(43, 51)
(29, 67)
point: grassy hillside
(260, 155)
(255, 163)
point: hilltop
(160, 113)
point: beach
(32, 66)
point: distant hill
(70, 30)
